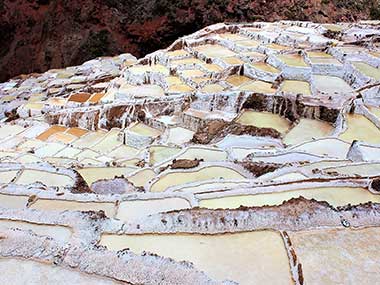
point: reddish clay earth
(37, 35)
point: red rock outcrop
(37, 35)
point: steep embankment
(42, 34)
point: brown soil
(80, 185)
(185, 163)
(218, 129)
(37, 35)
(259, 169)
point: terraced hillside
(242, 154)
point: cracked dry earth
(241, 154)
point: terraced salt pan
(296, 87)
(144, 130)
(28, 158)
(177, 178)
(367, 70)
(265, 67)
(62, 138)
(248, 44)
(331, 85)
(52, 130)
(69, 152)
(189, 73)
(241, 153)
(375, 111)
(233, 37)
(306, 130)
(186, 61)
(212, 88)
(237, 80)
(264, 120)
(78, 132)
(325, 164)
(130, 210)
(364, 169)
(352, 255)
(318, 54)
(146, 90)
(214, 51)
(123, 151)
(289, 177)
(7, 130)
(22, 271)
(294, 60)
(141, 177)
(179, 88)
(161, 153)
(49, 149)
(13, 201)
(179, 135)
(258, 86)
(207, 154)
(360, 128)
(63, 205)
(29, 176)
(277, 47)
(247, 258)
(141, 69)
(92, 174)
(89, 139)
(7, 176)
(335, 196)
(331, 147)
(325, 60)
(110, 141)
(316, 57)
(59, 233)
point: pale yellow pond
(178, 178)
(365, 169)
(63, 205)
(59, 233)
(7, 176)
(144, 130)
(22, 272)
(237, 80)
(92, 174)
(307, 129)
(13, 201)
(265, 67)
(296, 87)
(29, 176)
(360, 128)
(335, 196)
(141, 177)
(375, 111)
(368, 70)
(129, 210)
(294, 60)
(338, 256)
(331, 85)
(213, 51)
(264, 120)
(207, 154)
(248, 258)
(259, 87)
(161, 153)
(109, 141)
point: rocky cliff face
(36, 35)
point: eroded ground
(243, 153)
